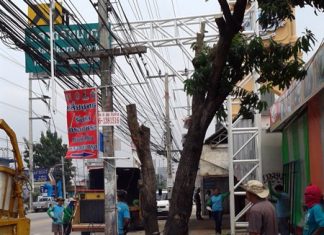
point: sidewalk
(198, 227)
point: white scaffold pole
(230, 165)
(52, 6)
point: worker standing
(68, 213)
(56, 214)
(123, 213)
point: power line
(147, 93)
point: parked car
(43, 204)
(162, 203)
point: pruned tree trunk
(141, 138)
(204, 108)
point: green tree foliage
(48, 153)
(218, 69)
(275, 11)
(277, 65)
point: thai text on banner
(82, 123)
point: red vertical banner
(82, 123)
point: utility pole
(63, 177)
(168, 136)
(168, 143)
(110, 178)
(106, 55)
(30, 143)
(51, 23)
(30, 134)
(108, 131)
(167, 131)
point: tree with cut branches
(141, 138)
(218, 69)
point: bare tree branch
(141, 138)
(221, 25)
(238, 15)
(226, 11)
(198, 98)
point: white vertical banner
(109, 118)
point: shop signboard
(299, 92)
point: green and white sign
(68, 39)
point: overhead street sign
(72, 38)
(38, 14)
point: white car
(162, 203)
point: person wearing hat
(314, 218)
(56, 214)
(68, 213)
(123, 218)
(262, 216)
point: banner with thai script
(82, 123)
(299, 92)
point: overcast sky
(14, 80)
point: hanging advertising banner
(82, 123)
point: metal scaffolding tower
(250, 134)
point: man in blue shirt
(56, 213)
(314, 218)
(282, 208)
(123, 213)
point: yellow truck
(12, 212)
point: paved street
(41, 225)
(199, 227)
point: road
(41, 224)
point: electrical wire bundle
(137, 88)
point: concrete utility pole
(63, 178)
(51, 23)
(30, 134)
(168, 135)
(108, 132)
(168, 142)
(30, 143)
(107, 106)
(106, 54)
